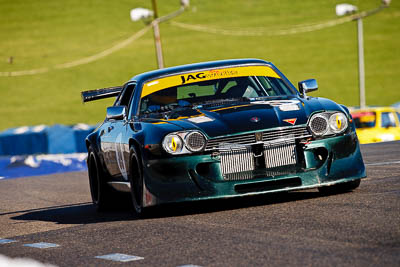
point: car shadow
(80, 213)
(85, 213)
(210, 206)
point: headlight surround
(184, 142)
(328, 123)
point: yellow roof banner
(206, 75)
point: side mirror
(116, 112)
(307, 86)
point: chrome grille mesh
(280, 154)
(235, 158)
(249, 138)
(300, 132)
(238, 159)
(239, 139)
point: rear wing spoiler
(96, 94)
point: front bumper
(195, 177)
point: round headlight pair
(184, 142)
(328, 123)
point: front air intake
(268, 185)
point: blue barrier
(24, 140)
(41, 150)
(56, 139)
(33, 165)
(80, 133)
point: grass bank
(39, 35)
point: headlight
(319, 124)
(195, 141)
(338, 123)
(328, 123)
(173, 143)
(184, 142)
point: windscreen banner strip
(193, 77)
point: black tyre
(340, 188)
(136, 182)
(102, 195)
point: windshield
(212, 93)
(364, 119)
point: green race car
(216, 130)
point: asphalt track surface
(360, 228)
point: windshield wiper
(263, 98)
(221, 102)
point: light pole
(157, 36)
(143, 14)
(361, 66)
(344, 9)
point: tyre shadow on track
(85, 213)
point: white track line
(383, 163)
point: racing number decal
(119, 154)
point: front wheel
(136, 182)
(340, 188)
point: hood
(251, 116)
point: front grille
(248, 156)
(239, 161)
(291, 132)
(280, 154)
(250, 138)
(236, 158)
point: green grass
(39, 34)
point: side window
(388, 120)
(126, 96)
(274, 86)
